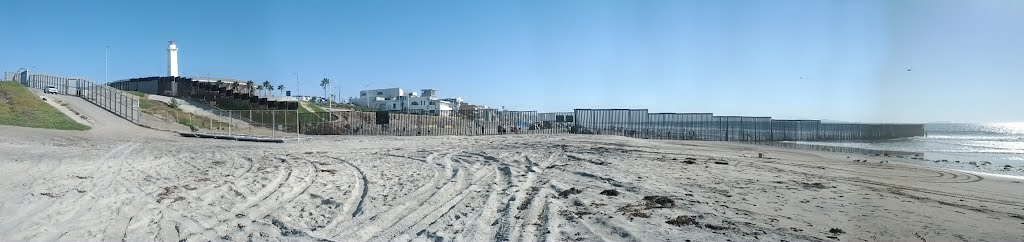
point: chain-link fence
(116, 101)
(250, 125)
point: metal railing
(116, 101)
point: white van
(50, 89)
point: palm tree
(234, 86)
(324, 83)
(281, 88)
(270, 90)
(251, 87)
(266, 84)
(260, 89)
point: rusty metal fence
(637, 123)
(463, 122)
(705, 126)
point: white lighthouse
(172, 59)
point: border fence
(111, 99)
(637, 123)
(705, 126)
(266, 122)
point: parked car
(50, 89)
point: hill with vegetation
(19, 106)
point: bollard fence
(637, 123)
(296, 122)
(705, 126)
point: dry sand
(121, 182)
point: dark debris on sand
(610, 192)
(836, 231)
(715, 227)
(683, 221)
(659, 202)
(814, 185)
(570, 191)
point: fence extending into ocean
(706, 126)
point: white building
(398, 100)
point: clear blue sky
(726, 57)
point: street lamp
(366, 95)
(296, 85)
(106, 68)
(338, 89)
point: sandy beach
(122, 182)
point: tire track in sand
(373, 225)
(268, 200)
(482, 230)
(525, 194)
(432, 218)
(353, 205)
(103, 177)
(17, 220)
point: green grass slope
(20, 107)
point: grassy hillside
(20, 107)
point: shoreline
(907, 157)
(1015, 177)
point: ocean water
(999, 143)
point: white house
(398, 100)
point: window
(433, 102)
(362, 94)
(380, 93)
(415, 103)
(394, 106)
